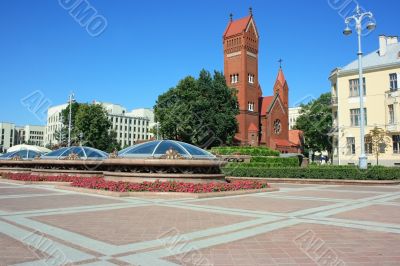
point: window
(250, 106)
(393, 81)
(391, 114)
(235, 78)
(396, 144)
(354, 85)
(382, 147)
(250, 78)
(277, 127)
(355, 117)
(351, 145)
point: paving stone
(130, 225)
(52, 202)
(241, 239)
(265, 204)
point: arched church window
(277, 127)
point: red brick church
(263, 120)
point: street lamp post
(71, 96)
(358, 18)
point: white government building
(12, 134)
(381, 71)
(294, 113)
(130, 127)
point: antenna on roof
(250, 11)
(231, 17)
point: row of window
(129, 136)
(130, 129)
(36, 132)
(128, 120)
(36, 137)
(233, 42)
(351, 145)
(354, 85)
(235, 78)
(54, 118)
(355, 116)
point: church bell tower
(240, 41)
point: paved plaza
(298, 225)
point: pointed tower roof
(281, 77)
(237, 26)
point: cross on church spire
(231, 17)
(250, 11)
(280, 62)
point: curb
(165, 194)
(11, 181)
(321, 181)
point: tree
(315, 121)
(61, 135)
(92, 123)
(377, 141)
(199, 111)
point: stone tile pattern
(356, 225)
(52, 202)
(13, 251)
(282, 247)
(131, 225)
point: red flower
(156, 186)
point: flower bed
(169, 186)
(157, 186)
(38, 178)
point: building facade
(13, 135)
(294, 113)
(381, 71)
(261, 120)
(7, 131)
(130, 127)
(33, 135)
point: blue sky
(148, 46)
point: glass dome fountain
(22, 154)
(158, 148)
(83, 152)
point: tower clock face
(277, 127)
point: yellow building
(381, 71)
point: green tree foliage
(315, 121)
(377, 142)
(199, 111)
(62, 135)
(91, 120)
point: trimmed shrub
(316, 172)
(253, 151)
(275, 161)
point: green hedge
(314, 172)
(253, 151)
(267, 162)
(276, 161)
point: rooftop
(387, 54)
